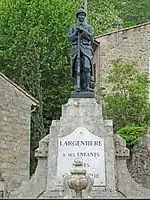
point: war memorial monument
(81, 157)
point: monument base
(82, 132)
(82, 94)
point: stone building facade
(15, 113)
(131, 44)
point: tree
(102, 14)
(134, 11)
(127, 100)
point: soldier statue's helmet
(80, 10)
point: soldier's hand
(81, 29)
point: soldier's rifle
(78, 64)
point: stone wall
(139, 164)
(15, 112)
(131, 43)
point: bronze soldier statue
(81, 37)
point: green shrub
(132, 134)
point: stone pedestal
(82, 132)
(82, 115)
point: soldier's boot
(77, 89)
(88, 82)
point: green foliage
(101, 15)
(126, 102)
(132, 134)
(134, 11)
